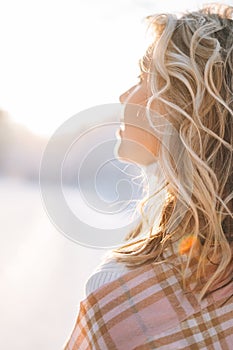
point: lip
(122, 125)
(119, 133)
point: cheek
(133, 133)
(142, 136)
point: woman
(171, 286)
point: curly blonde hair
(190, 72)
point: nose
(123, 97)
(126, 94)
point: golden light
(188, 243)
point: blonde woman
(171, 285)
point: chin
(120, 153)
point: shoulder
(107, 271)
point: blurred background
(57, 59)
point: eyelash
(140, 77)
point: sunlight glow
(58, 58)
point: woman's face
(136, 139)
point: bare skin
(136, 139)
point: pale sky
(59, 57)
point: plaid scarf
(147, 308)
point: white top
(107, 271)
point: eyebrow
(144, 63)
(141, 64)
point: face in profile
(137, 142)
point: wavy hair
(190, 72)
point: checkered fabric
(147, 309)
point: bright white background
(60, 57)
(57, 58)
